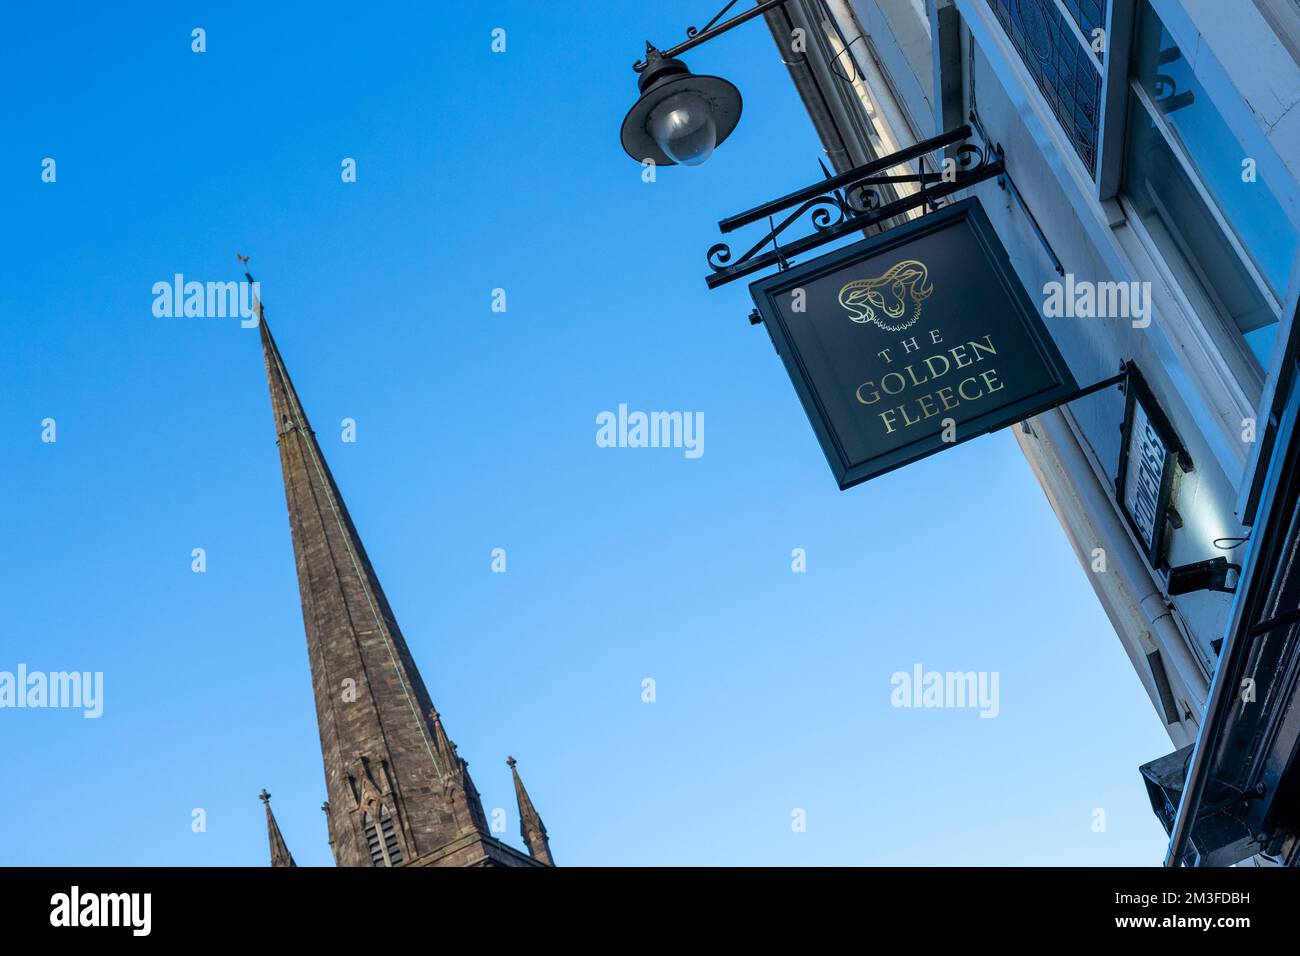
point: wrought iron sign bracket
(1121, 380)
(852, 201)
(694, 37)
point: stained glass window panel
(1062, 67)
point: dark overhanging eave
(1229, 751)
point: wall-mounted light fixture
(1216, 574)
(680, 117)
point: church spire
(280, 855)
(398, 792)
(530, 823)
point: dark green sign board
(911, 341)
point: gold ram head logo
(885, 300)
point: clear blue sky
(475, 431)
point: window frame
(1216, 213)
(1189, 168)
(1251, 375)
(1199, 354)
(1113, 128)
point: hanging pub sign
(1151, 460)
(911, 341)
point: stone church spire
(280, 855)
(398, 792)
(530, 822)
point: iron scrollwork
(855, 200)
(692, 32)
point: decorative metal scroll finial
(651, 53)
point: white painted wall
(1075, 453)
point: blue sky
(475, 431)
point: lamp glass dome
(684, 127)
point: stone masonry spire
(398, 795)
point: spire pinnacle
(280, 855)
(442, 745)
(530, 822)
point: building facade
(1151, 203)
(399, 793)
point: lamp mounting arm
(711, 29)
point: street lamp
(680, 118)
